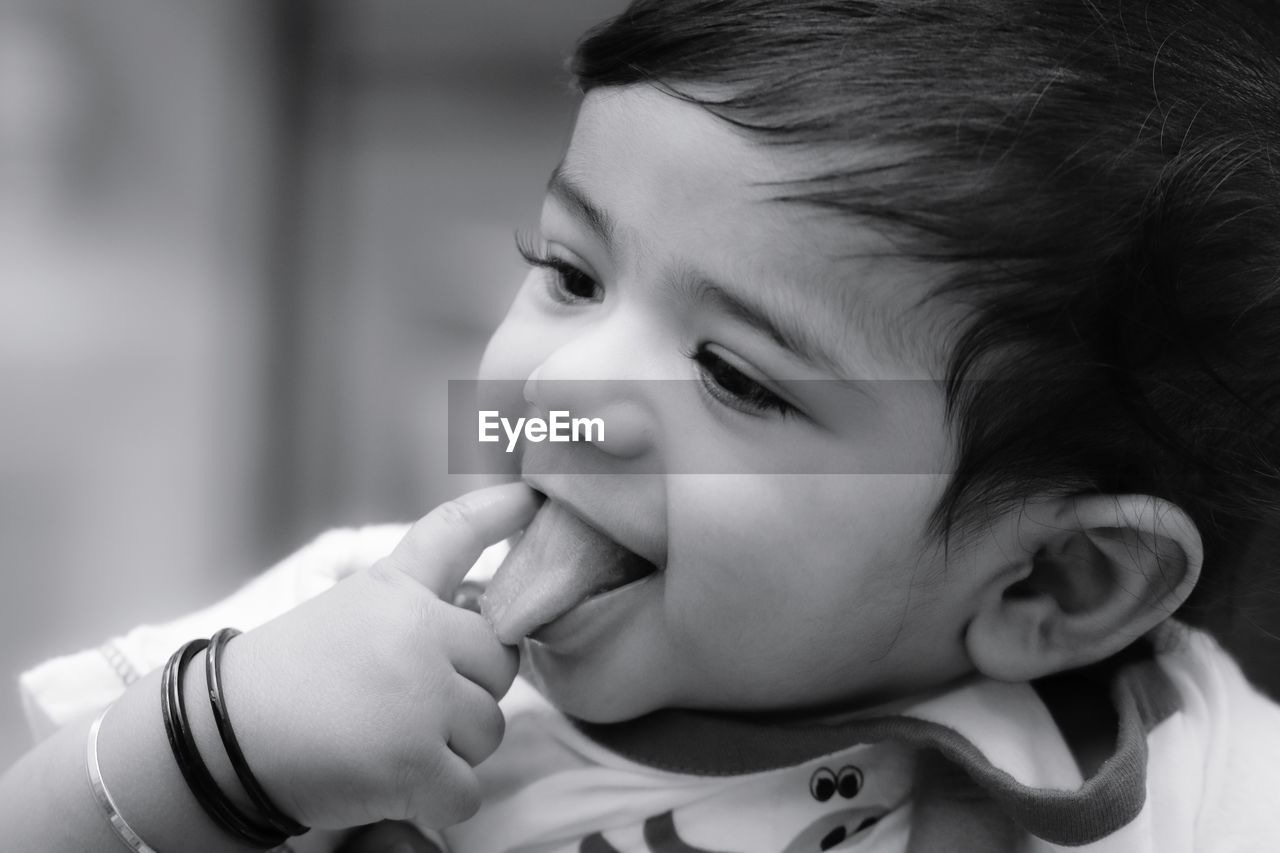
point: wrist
(249, 699)
(102, 794)
(138, 765)
(205, 730)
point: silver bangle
(100, 793)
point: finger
(476, 724)
(442, 545)
(475, 652)
(389, 836)
(456, 797)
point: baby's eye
(734, 388)
(568, 283)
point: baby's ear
(1101, 571)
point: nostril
(832, 838)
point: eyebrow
(568, 193)
(794, 336)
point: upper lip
(647, 554)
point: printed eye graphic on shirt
(824, 784)
(839, 829)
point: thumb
(441, 546)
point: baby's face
(780, 585)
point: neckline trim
(709, 744)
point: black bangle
(211, 798)
(270, 813)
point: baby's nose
(611, 414)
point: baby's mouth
(557, 564)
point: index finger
(442, 546)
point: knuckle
(471, 628)
(438, 626)
(444, 688)
(391, 569)
(413, 776)
(394, 606)
(454, 619)
(454, 513)
(492, 729)
(511, 658)
(405, 781)
(451, 798)
(465, 630)
(464, 797)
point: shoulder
(1213, 690)
(1226, 738)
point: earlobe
(1100, 571)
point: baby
(975, 303)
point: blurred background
(243, 245)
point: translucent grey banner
(731, 426)
(730, 423)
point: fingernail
(468, 596)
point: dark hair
(1102, 184)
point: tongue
(559, 562)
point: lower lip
(585, 622)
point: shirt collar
(1002, 736)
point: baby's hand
(376, 699)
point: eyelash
(719, 377)
(564, 275)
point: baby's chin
(577, 692)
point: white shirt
(982, 767)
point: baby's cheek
(735, 607)
(752, 654)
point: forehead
(682, 189)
